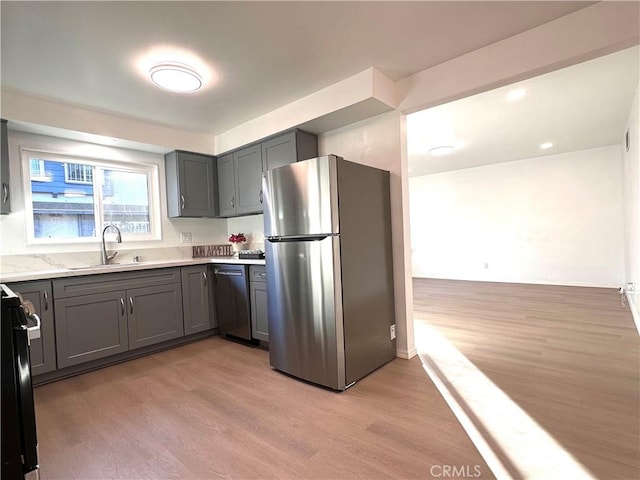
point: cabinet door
(279, 151)
(43, 349)
(198, 315)
(155, 314)
(89, 327)
(196, 185)
(226, 186)
(259, 320)
(248, 164)
(232, 301)
(5, 193)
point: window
(71, 199)
(37, 170)
(78, 173)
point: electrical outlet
(186, 237)
(392, 331)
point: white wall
(380, 142)
(556, 219)
(13, 239)
(631, 162)
(253, 228)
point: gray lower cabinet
(191, 184)
(43, 349)
(102, 315)
(197, 299)
(258, 293)
(90, 327)
(5, 192)
(155, 314)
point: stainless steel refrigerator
(329, 270)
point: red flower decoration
(237, 238)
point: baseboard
(521, 282)
(406, 354)
(634, 311)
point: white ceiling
(259, 55)
(579, 107)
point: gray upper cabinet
(248, 164)
(197, 294)
(227, 185)
(240, 172)
(191, 186)
(5, 192)
(288, 148)
(42, 350)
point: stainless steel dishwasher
(231, 288)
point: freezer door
(306, 337)
(301, 198)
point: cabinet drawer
(257, 273)
(111, 282)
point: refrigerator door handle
(298, 238)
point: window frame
(151, 170)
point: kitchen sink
(105, 267)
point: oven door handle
(26, 408)
(33, 330)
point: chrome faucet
(107, 258)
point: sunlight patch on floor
(510, 441)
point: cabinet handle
(204, 278)
(260, 196)
(122, 306)
(262, 274)
(131, 305)
(182, 202)
(46, 300)
(233, 202)
(5, 193)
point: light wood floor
(568, 356)
(215, 409)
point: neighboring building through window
(37, 170)
(71, 199)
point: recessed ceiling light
(441, 150)
(546, 145)
(516, 94)
(175, 77)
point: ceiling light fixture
(441, 150)
(546, 145)
(175, 77)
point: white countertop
(119, 267)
